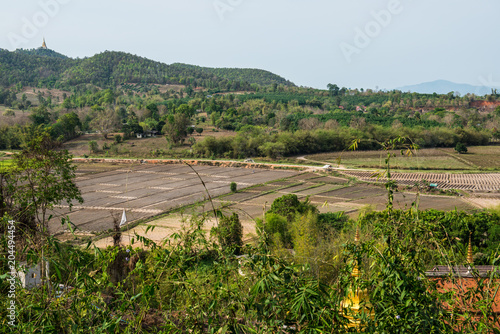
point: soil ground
(145, 188)
(477, 158)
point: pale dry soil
(327, 192)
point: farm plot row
(471, 182)
(148, 190)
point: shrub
(289, 205)
(93, 147)
(233, 186)
(277, 230)
(118, 139)
(461, 148)
(335, 220)
(230, 233)
(9, 112)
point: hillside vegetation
(47, 68)
(262, 115)
(297, 276)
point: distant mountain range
(47, 68)
(445, 87)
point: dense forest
(46, 68)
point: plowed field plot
(253, 203)
(148, 190)
(316, 190)
(424, 159)
(329, 179)
(470, 182)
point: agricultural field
(445, 159)
(146, 190)
(258, 191)
(488, 182)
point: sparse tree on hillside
(175, 127)
(105, 122)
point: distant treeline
(252, 142)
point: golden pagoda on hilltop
(44, 46)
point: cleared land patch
(145, 190)
(160, 188)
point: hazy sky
(355, 43)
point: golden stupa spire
(470, 258)
(355, 271)
(44, 46)
(357, 300)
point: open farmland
(146, 190)
(489, 182)
(478, 157)
(328, 193)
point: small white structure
(31, 277)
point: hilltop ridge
(47, 68)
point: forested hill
(46, 68)
(31, 70)
(256, 76)
(41, 52)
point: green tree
(43, 178)
(461, 148)
(333, 89)
(40, 116)
(153, 111)
(199, 131)
(233, 187)
(66, 126)
(93, 147)
(175, 127)
(186, 109)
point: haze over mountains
(445, 87)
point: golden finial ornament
(355, 271)
(357, 301)
(470, 258)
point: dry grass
(134, 147)
(21, 117)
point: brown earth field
(147, 191)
